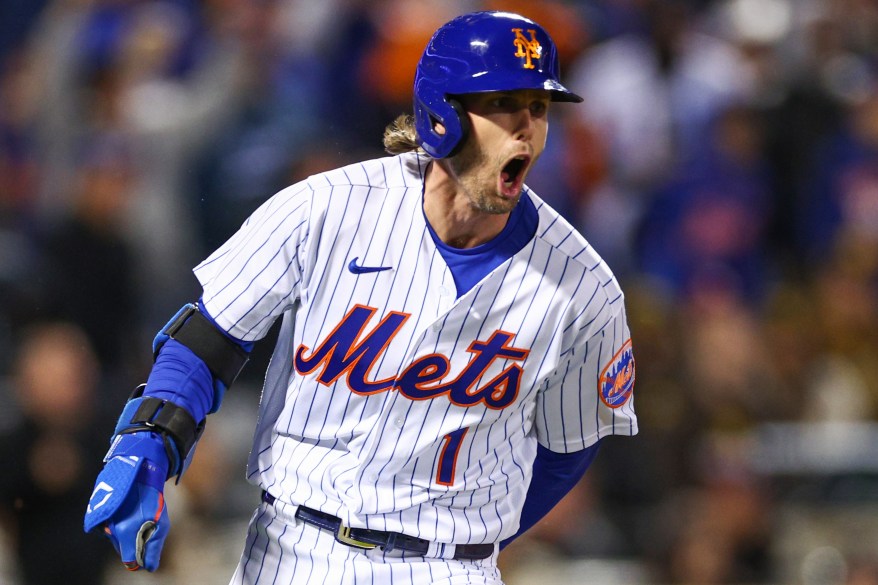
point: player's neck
(451, 213)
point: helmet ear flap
(463, 122)
(433, 107)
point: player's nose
(524, 124)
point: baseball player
(451, 353)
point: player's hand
(128, 502)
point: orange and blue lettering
(340, 352)
(352, 351)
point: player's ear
(439, 128)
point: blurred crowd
(724, 162)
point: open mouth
(512, 175)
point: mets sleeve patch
(616, 382)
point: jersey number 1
(448, 457)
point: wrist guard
(173, 423)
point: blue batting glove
(128, 501)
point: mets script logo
(352, 350)
(527, 48)
(617, 380)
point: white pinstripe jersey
(393, 404)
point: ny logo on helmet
(527, 48)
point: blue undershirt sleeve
(554, 475)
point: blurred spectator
(801, 108)
(793, 342)
(402, 29)
(651, 96)
(843, 378)
(19, 183)
(16, 20)
(709, 219)
(50, 457)
(19, 170)
(725, 365)
(863, 572)
(162, 76)
(273, 125)
(370, 68)
(88, 274)
(724, 535)
(842, 189)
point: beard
(478, 174)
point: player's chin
(500, 204)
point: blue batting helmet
(480, 52)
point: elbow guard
(223, 356)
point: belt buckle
(343, 535)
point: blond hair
(400, 135)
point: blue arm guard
(195, 358)
(554, 475)
(195, 362)
(178, 375)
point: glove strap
(173, 423)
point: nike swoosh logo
(357, 269)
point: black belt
(367, 539)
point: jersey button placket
(445, 299)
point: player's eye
(538, 108)
(503, 102)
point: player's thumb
(150, 538)
(138, 532)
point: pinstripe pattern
(371, 457)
